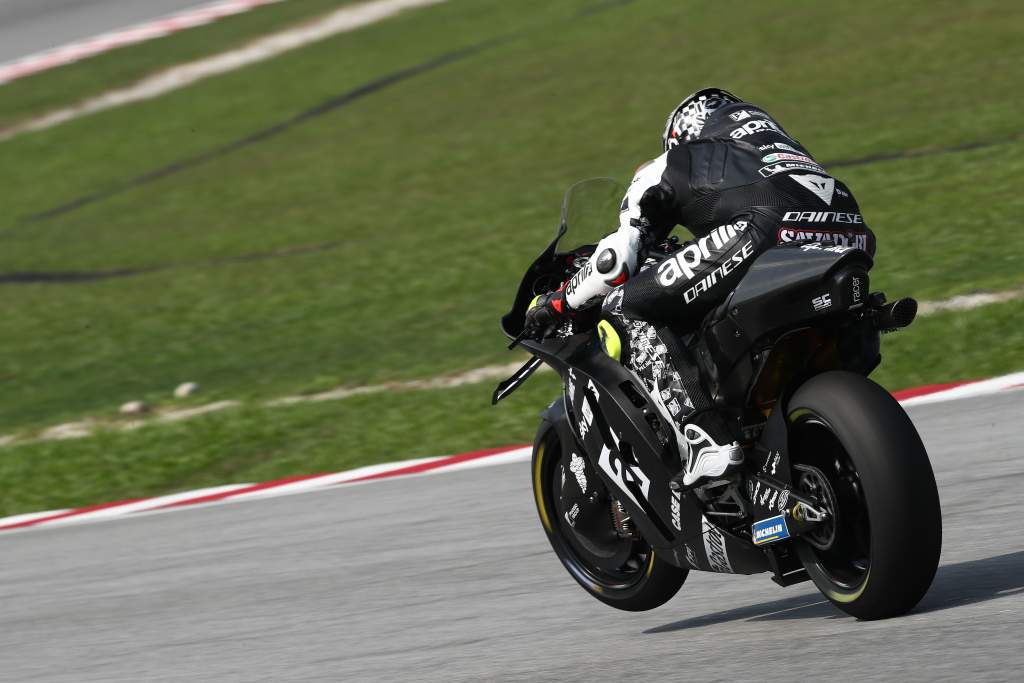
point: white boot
(705, 458)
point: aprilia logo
(581, 275)
(685, 260)
(753, 127)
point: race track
(30, 26)
(449, 577)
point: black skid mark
(86, 277)
(922, 152)
(321, 109)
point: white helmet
(687, 120)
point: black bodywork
(802, 308)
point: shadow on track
(955, 585)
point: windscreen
(590, 211)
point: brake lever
(519, 338)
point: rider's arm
(617, 256)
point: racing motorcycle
(836, 486)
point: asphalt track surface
(30, 26)
(449, 577)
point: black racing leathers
(742, 187)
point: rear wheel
(854, 451)
(604, 555)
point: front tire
(624, 573)
(853, 446)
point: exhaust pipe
(895, 316)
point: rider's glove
(546, 314)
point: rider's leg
(670, 376)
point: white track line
(966, 302)
(339, 21)
(139, 506)
(422, 466)
(157, 28)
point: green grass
(430, 196)
(253, 444)
(34, 95)
(257, 444)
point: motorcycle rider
(737, 180)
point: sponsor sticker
(776, 157)
(818, 246)
(708, 281)
(822, 217)
(626, 476)
(685, 260)
(714, 546)
(822, 302)
(771, 461)
(840, 238)
(675, 502)
(582, 274)
(576, 465)
(778, 145)
(572, 514)
(783, 167)
(691, 556)
(769, 530)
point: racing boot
(705, 459)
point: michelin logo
(769, 530)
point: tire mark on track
(85, 277)
(321, 109)
(921, 152)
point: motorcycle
(836, 486)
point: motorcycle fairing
(611, 424)
(620, 443)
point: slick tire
(646, 582)
(893, 479)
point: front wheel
(855, 451)
(615, 566)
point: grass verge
(257, 444)
(66, 85)
(381, 240)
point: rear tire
(644, 581)
(882, 558)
